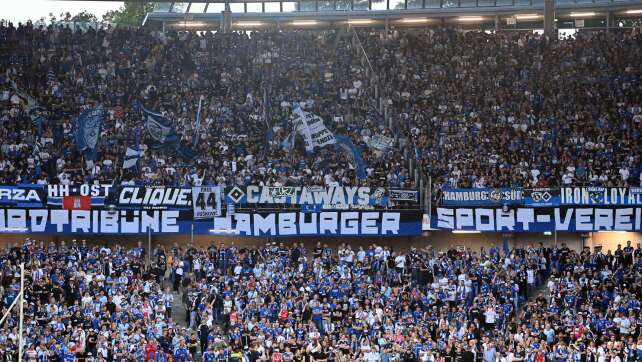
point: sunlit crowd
(277, 302)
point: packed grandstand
(474, 109)
(288, 303)
(354, 120)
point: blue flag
(160, 128)
(38, 117)
(163, 133)
(288, 142)
(132, 154)
(87, 131)
(347, 145)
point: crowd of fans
(591, 313)
(474, 109)
(290, 303)
(517, 109)
(246, 83)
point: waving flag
(131, 158)
(311, 127)
(160, 128)
(163, 133)
(87, 130)
(346, 144)
(36, 113)
(132, 155)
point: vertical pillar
(498, 24)
(387, 22)
(549, 19)
(608, 20)
(226, 19)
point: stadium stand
(508, 109)
(472, 109)
(269, 303)
(120, 67)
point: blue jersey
(181, 354)
(208, 356)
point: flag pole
(198, 122)
(22, 303)
(149, 246)
(6, 314)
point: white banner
(206, 201)
(381, 142)
(540, 219)
(88, 222)
(311, 127)
(322, 223)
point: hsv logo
(541, 196)
(496, 195)
(236, 194)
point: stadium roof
(321, 13)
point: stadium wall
(436, 239)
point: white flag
(311, 127)
(131, 157)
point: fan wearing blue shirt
(181, 354)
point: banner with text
(403, 195)
(154, 198)
(482, 196)
(601, 196)
(56, 194)
(335, 223)
(538, 219)
(323, 197)
(22, 195)
(206, 201)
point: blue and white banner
(601, 196)
(334, 223)
(154, 198)
(131, 158)
(87, 130)
(542, 197)
(482, 196)
(538, 219)
(381, 142)
(322, 197)
(133, 153)
(312, 129)
(207, 201)
(133, 222)
(99, 193)
(22, 195)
